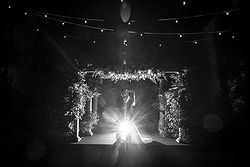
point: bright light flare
(125, 129)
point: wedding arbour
(170, 109)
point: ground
(109, 138)
(99, 150)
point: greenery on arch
(80, 93)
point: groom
(129, 102)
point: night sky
(108, 48)
(40, 56)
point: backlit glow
(125, 129)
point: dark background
(38, 67)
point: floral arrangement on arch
(169, 101)
(80, 94)
(171, 111)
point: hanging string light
(204, 39)
(194, 16)
(73, 23)
(185, 33)
(176, 19)
(110, 29)
(67, 17)
(180, 34)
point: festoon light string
(177, 19)
(63, 19)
